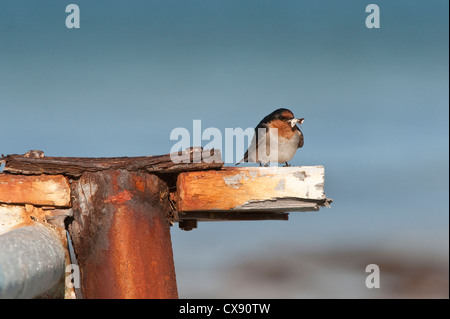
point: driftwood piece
(190, 160)
(42, 190)
(252, 189)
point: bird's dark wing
(257, 138)
(261, 125)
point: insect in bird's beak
(295, 121)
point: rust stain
(137, 261)
(120, 198)
(140, 185)
(142, 256)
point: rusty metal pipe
(121, 235)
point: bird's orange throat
(284, 129)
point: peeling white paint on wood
(253, 188)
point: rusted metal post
(121, 235)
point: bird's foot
(287, 165)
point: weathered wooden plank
(189, 160)
(263, 189)
(41, 190)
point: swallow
(289, 138)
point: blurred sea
(375, 104)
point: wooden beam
(258, 189)
(41, 190)
(190, 160)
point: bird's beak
(295, 121)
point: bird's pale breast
(287, 147)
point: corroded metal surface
(121, 235)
